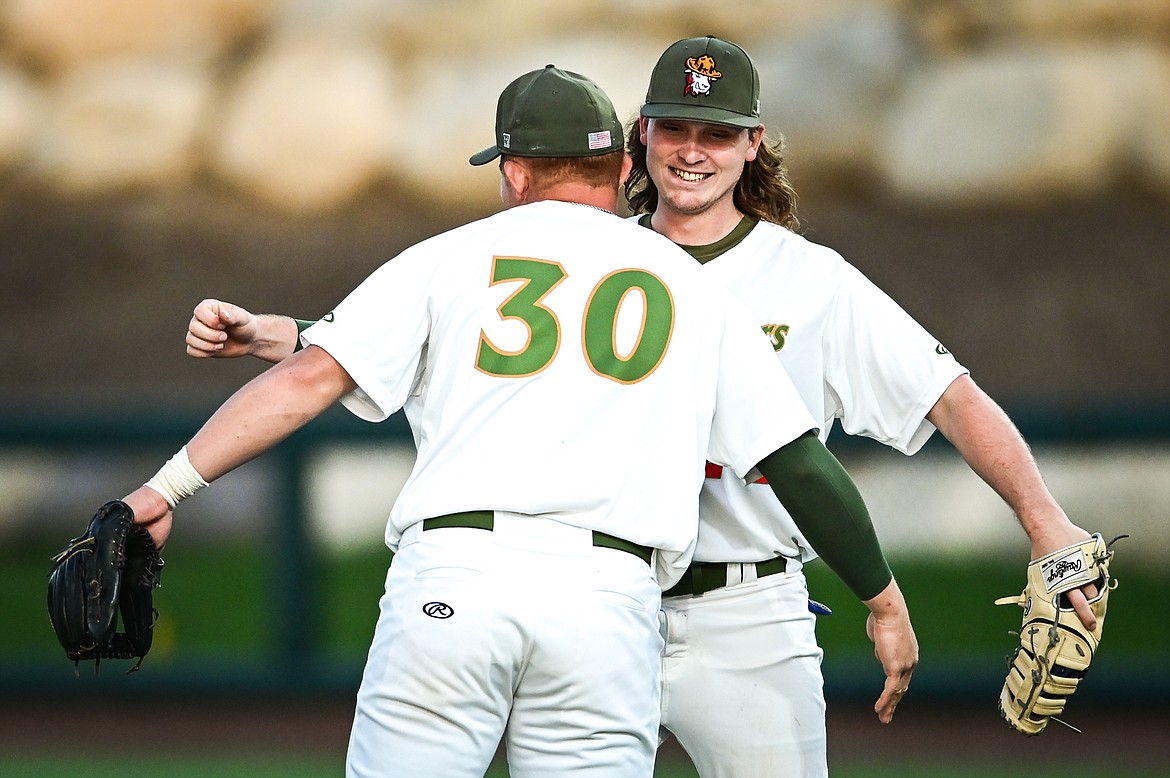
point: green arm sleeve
(302, 325)
(828, 509)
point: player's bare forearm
(276, 338)
(991, 445)
(268, 409)
(264, 412)
(894, 644)
(995, 450)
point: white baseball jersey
(855, 356)
(585, 381)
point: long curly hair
(763, 191)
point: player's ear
(515, 181)
(517, 178)
(755, 137)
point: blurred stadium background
(1001, 167)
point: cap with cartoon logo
(553, 113)
(706, 80)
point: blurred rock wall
(304, 104)
(1001, 167)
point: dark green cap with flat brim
(705, 80)
(553, 113)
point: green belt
(486, 520)
(702, 577)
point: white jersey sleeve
(883, 371)
(391, 306)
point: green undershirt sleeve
(302, 325)
(828, 509)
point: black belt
(487, 520)
(702, 577)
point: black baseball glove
(109, 570)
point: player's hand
(894, 645)
(152, 511)
(219, 329)
(1062, 535)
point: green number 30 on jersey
(598, 327)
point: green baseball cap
(705, 80)
(553, 113)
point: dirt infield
(1114, 740)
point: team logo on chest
(776, 333)
(701, 74)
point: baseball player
(742, 681)
(566, 374)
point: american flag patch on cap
(599, 140)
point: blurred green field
(217, 610)
(221, 600)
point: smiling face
(696, 165)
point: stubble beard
(690, 203)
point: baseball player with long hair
(739, 636)
(566, 374)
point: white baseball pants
(743, 690)
(525, 632)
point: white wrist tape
(177, 479)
